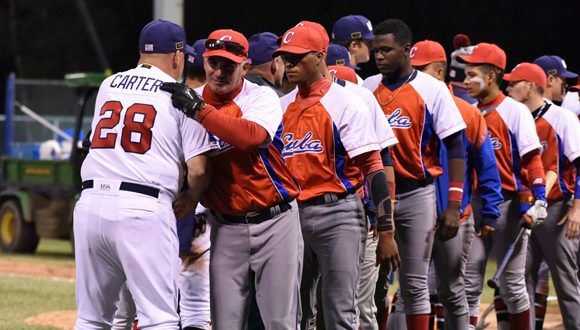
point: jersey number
(136, 136)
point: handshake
(536, 214)
(184, 98)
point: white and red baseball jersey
(421, 112)
(137, 134)
(559, 134)
(251, 181)
(321, 134)
(385, 135)
(572, 102)
(513, 134)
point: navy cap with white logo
(352, 27)
(555, 66)
(161, 37)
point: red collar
(310, 95)
(219, 100)
(493, 103)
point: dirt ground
(65, 319)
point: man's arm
(537, 213)
(573, 216)
(371, 165)
(456, 160)
(198, 179)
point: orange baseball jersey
(421, 113)
(251, 181)
(512, 132)
(559, 134)
(321, 134)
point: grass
(23, 297)
(50, 252)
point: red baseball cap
(318, 27)
(343, 72)
(227, 43)
(528, 72)
(300, 40)
(427, 51)
(485, 53)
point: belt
(326, 198)
(406, 185)
(128, 186)
(257, 217)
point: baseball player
(194, 72)
(328, 153)
(450, 256)
(367, 308)
(557, 244)
(421, 111)
(256, 242)
(517, 149)
(338, 55)
(557, 72)
(355, 33)
(124, 222)
(265, 70)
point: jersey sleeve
(355, 129)
(447, 119)
(571, 138)
(488, 180)
(195, 139)
(263, 107)
(525, 130)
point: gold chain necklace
(396, 91)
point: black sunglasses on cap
(229, 46)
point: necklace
(392, 98)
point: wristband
(539, 192)
(455, 191)
(385, 221)
(577, 187)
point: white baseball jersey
(137, 134)
(571, 102)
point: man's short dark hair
(487, 68)
(194, 72)
(398, 28)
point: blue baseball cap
(352, 27)
(262, 46)
(339, 55)
(195, 52)
(161, 37)
(554, 65)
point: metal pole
(169, 10)
(9, 111)
(94, 36)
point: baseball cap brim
(189, 50)
(225, 54)
(574, 88)
(291, 50)
(569, 74)
(512, 77)
(420, 62)
(470, 59)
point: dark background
(46, 39)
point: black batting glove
(184, 98)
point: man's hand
(184, 98)
(573, 220)
(447, 229)
(536, 215)
(485, 231)
(488, 225)
(387, 250)
(183, 206)
(200, 224)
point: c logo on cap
(412, 52)
(288, 37)
(226, 38)
(332, 72)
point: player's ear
(407, 49)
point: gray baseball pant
(265, 258)
(549, 242)
(415, 216)
(334, 237)
(450, 258)
(512, 281)
(368, 283)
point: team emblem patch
(396, 120)
(300, 146)
(496, 143)
(544, 145)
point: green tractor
(37, 196)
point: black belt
(406, 185)
(128, 186)
(257, 217)
(326, 198)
